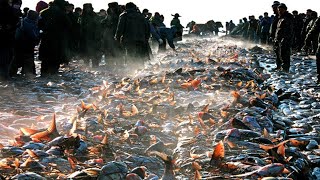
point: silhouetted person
(176, 22)
(27, 37)
(284, 38)
(245, 28)
(231, 26)
(53, 48)
(315, 31)
(312, 43)
(297, 29)
(110, 46)
(167, 36)
(252, 29)
(133, 33)
(275, 20)
(90, 35)
(265, 24)
(8, 24)
(25, 12)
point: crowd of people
(122, 33)
(285, 31)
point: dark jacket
(8, 24)
(284, 31)
(315, 30)
(90, 29)
(297, 25)
(55, 26)
(168, 34)
(132, 27)
(265, 24)
(273, 27)
(176, 22)
(27, 34)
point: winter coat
(55, 26)
(284, 31)
(273, 27)
(8, 24)
(315, 30)
(91, 33)
(132, 27)
(28, 32)
(168, 34)
(176, 22)
(265, 24)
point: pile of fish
(212, 110)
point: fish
(48, 134)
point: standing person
(27, 37)
(25, 12)
(55, 26)
(275, 20)
(8, 24)
(227, 28)
(16, 4)
(110, 46)
(176, 22)
(265, 24)
(252, 29)
(245, 28)
(90, 35)
(315, 31)
(306, 21)
(133, 32)
(284, 38)
(297, 29)
(312, 44)
(231, 26)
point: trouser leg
(285, 57)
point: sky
(201, 11)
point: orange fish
(218, 154)
(48, 134)
(194, 83)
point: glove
(160, 41)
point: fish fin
(28, 131)
(72, 162)
(105, 140)
(206, 108)
(196, 166)
(197, 175)
(218, 152)
(32, 154)
(25, 164)
(134, 110)
(16, 163)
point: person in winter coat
(90, 36)
(133, 32)
(167, 36)
(110, 46)
(265, 24)
(311, 45)
(8, 24)
(284, 38)
(55, 26)
(176, 22)
(297, 29)
(315, 31)
(26, 38)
